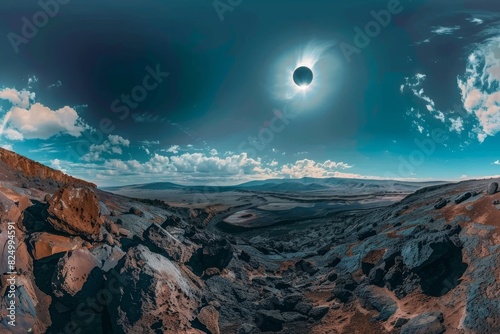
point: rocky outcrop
(33, 169)
(76, 211)
(154, 293)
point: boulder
(9, 211)
(78, 272)
(492, 188)
(425, 323)
(217, 254)
(424, 251)
(152, 292)
(209, 317)
(333, 261)
(45, 244)
(112, 228)
(269, 320)
(440, 204)
(136, 211)
(165, 242)
(463, 197)
(366, 233)
(306, 266)
(75, 211)
(318, 312)
(374, 298)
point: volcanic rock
(426, 323)
(75, 211)
(209, 317)
(165, 242)
(46, 244)
(492, 188)
(461, 198)
(152, 292)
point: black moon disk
(303, 76)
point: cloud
(173, 149)
(40, 122)
(21, 99)
(57, 84)
(475, 20)
(117, 140)
(29, 120)
(56, 164)
(479, 87)
(310, 168)
(414, 85)
(497, 162)
(444, 30)
(113, 146)
(150, 143)
(197, 168)
(146, 118)
(457, 125)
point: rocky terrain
(89, 261)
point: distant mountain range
(358, 186)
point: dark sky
(229, 75)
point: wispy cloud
(445, 30)
(146, 118)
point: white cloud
(56, 164)
(119, 141)
(457, 125)
(310, 168)
(475, 20)
(414, 85)
(497, 162)
(150, 143)
(13, 134)
(205, 168)
(445, 30)
(479, 88)
(173, 149)
(27, 119)
(146, 118)
(113, 145)
(21, 99)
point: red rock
(73, 271)
(76, 211)
(32, 169)
(209, 317)
(45, 244)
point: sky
(201, 91)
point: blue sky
(189, 92)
